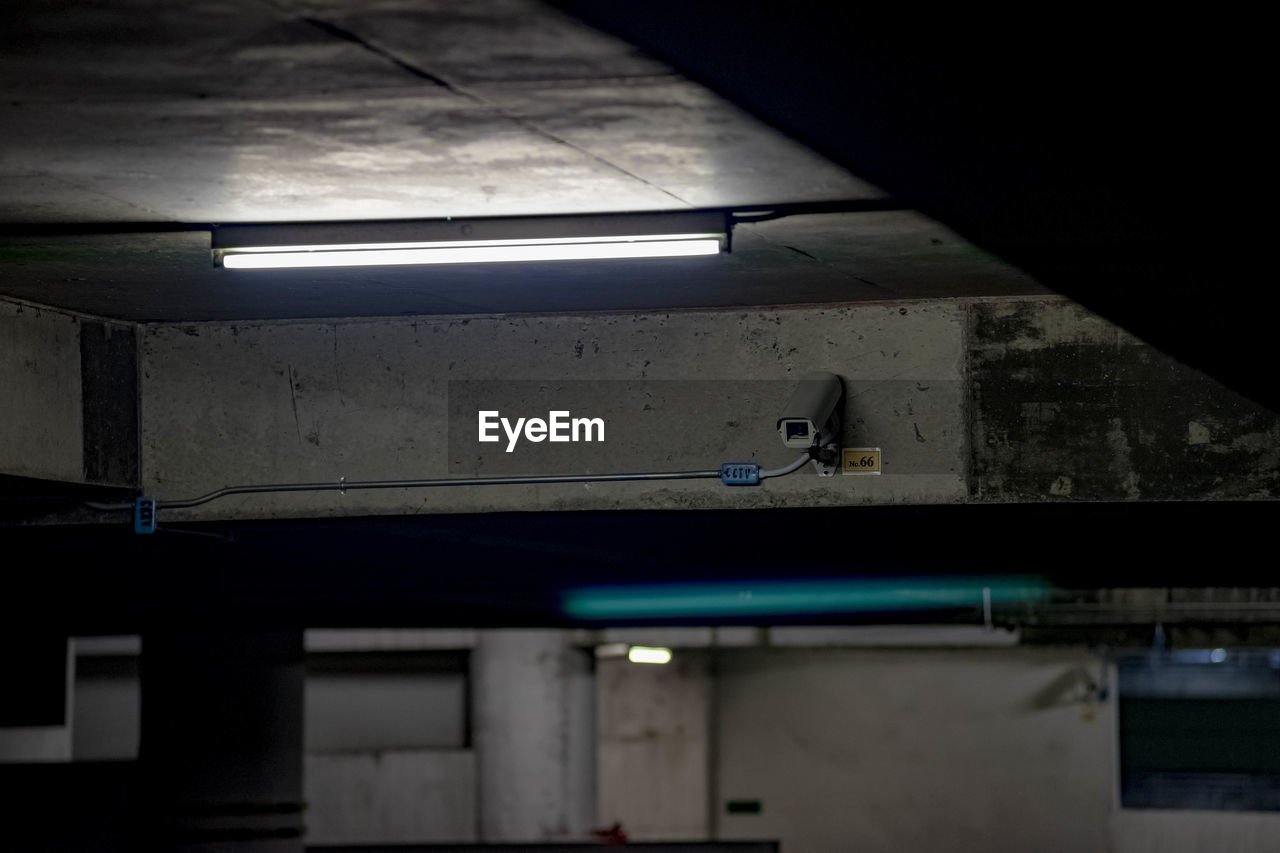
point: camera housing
(811, 416)
(811, 419)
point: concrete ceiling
(135, 112)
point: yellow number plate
(860, 460)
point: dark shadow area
(1116, 159)
(513, 569)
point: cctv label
(860, 460)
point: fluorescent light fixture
(649, 654)
(480, 241)
(295, 257)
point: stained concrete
(655, 745)
(884, 750)
(1069, 407)
(69, 389)
(391, 796)
(984, 400)
(109, 402)
(40, 418)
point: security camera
(811, 417)
(811, 420)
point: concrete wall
(369, 399)
(393, 796)
(22, 744)
(1018, 398)
(654, 745)
(996, 399)
(41, 433)
(883, 749)
(384, 762)
(378, 711)
(68, 396)
(912, 750)
(386, 706)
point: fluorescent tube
(462, 252)
(649, 654)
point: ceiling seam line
(88, 189)
(380, 50)
(842, 272)
(528, 124)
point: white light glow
(401, 254)
(1218, 655)
(611, 650)
(649, 654)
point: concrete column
(220, 756)
(533, 707)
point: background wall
(390, 796)
(879, 750)
(653, 747)
(945, 749)
(873, 747)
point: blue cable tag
(740, 474)
(144, 515)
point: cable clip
(342, 485)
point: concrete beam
(40, 422)
(981, 400)
(387, 399)
(1008, 399)
(1066, 406)
(70, 396)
